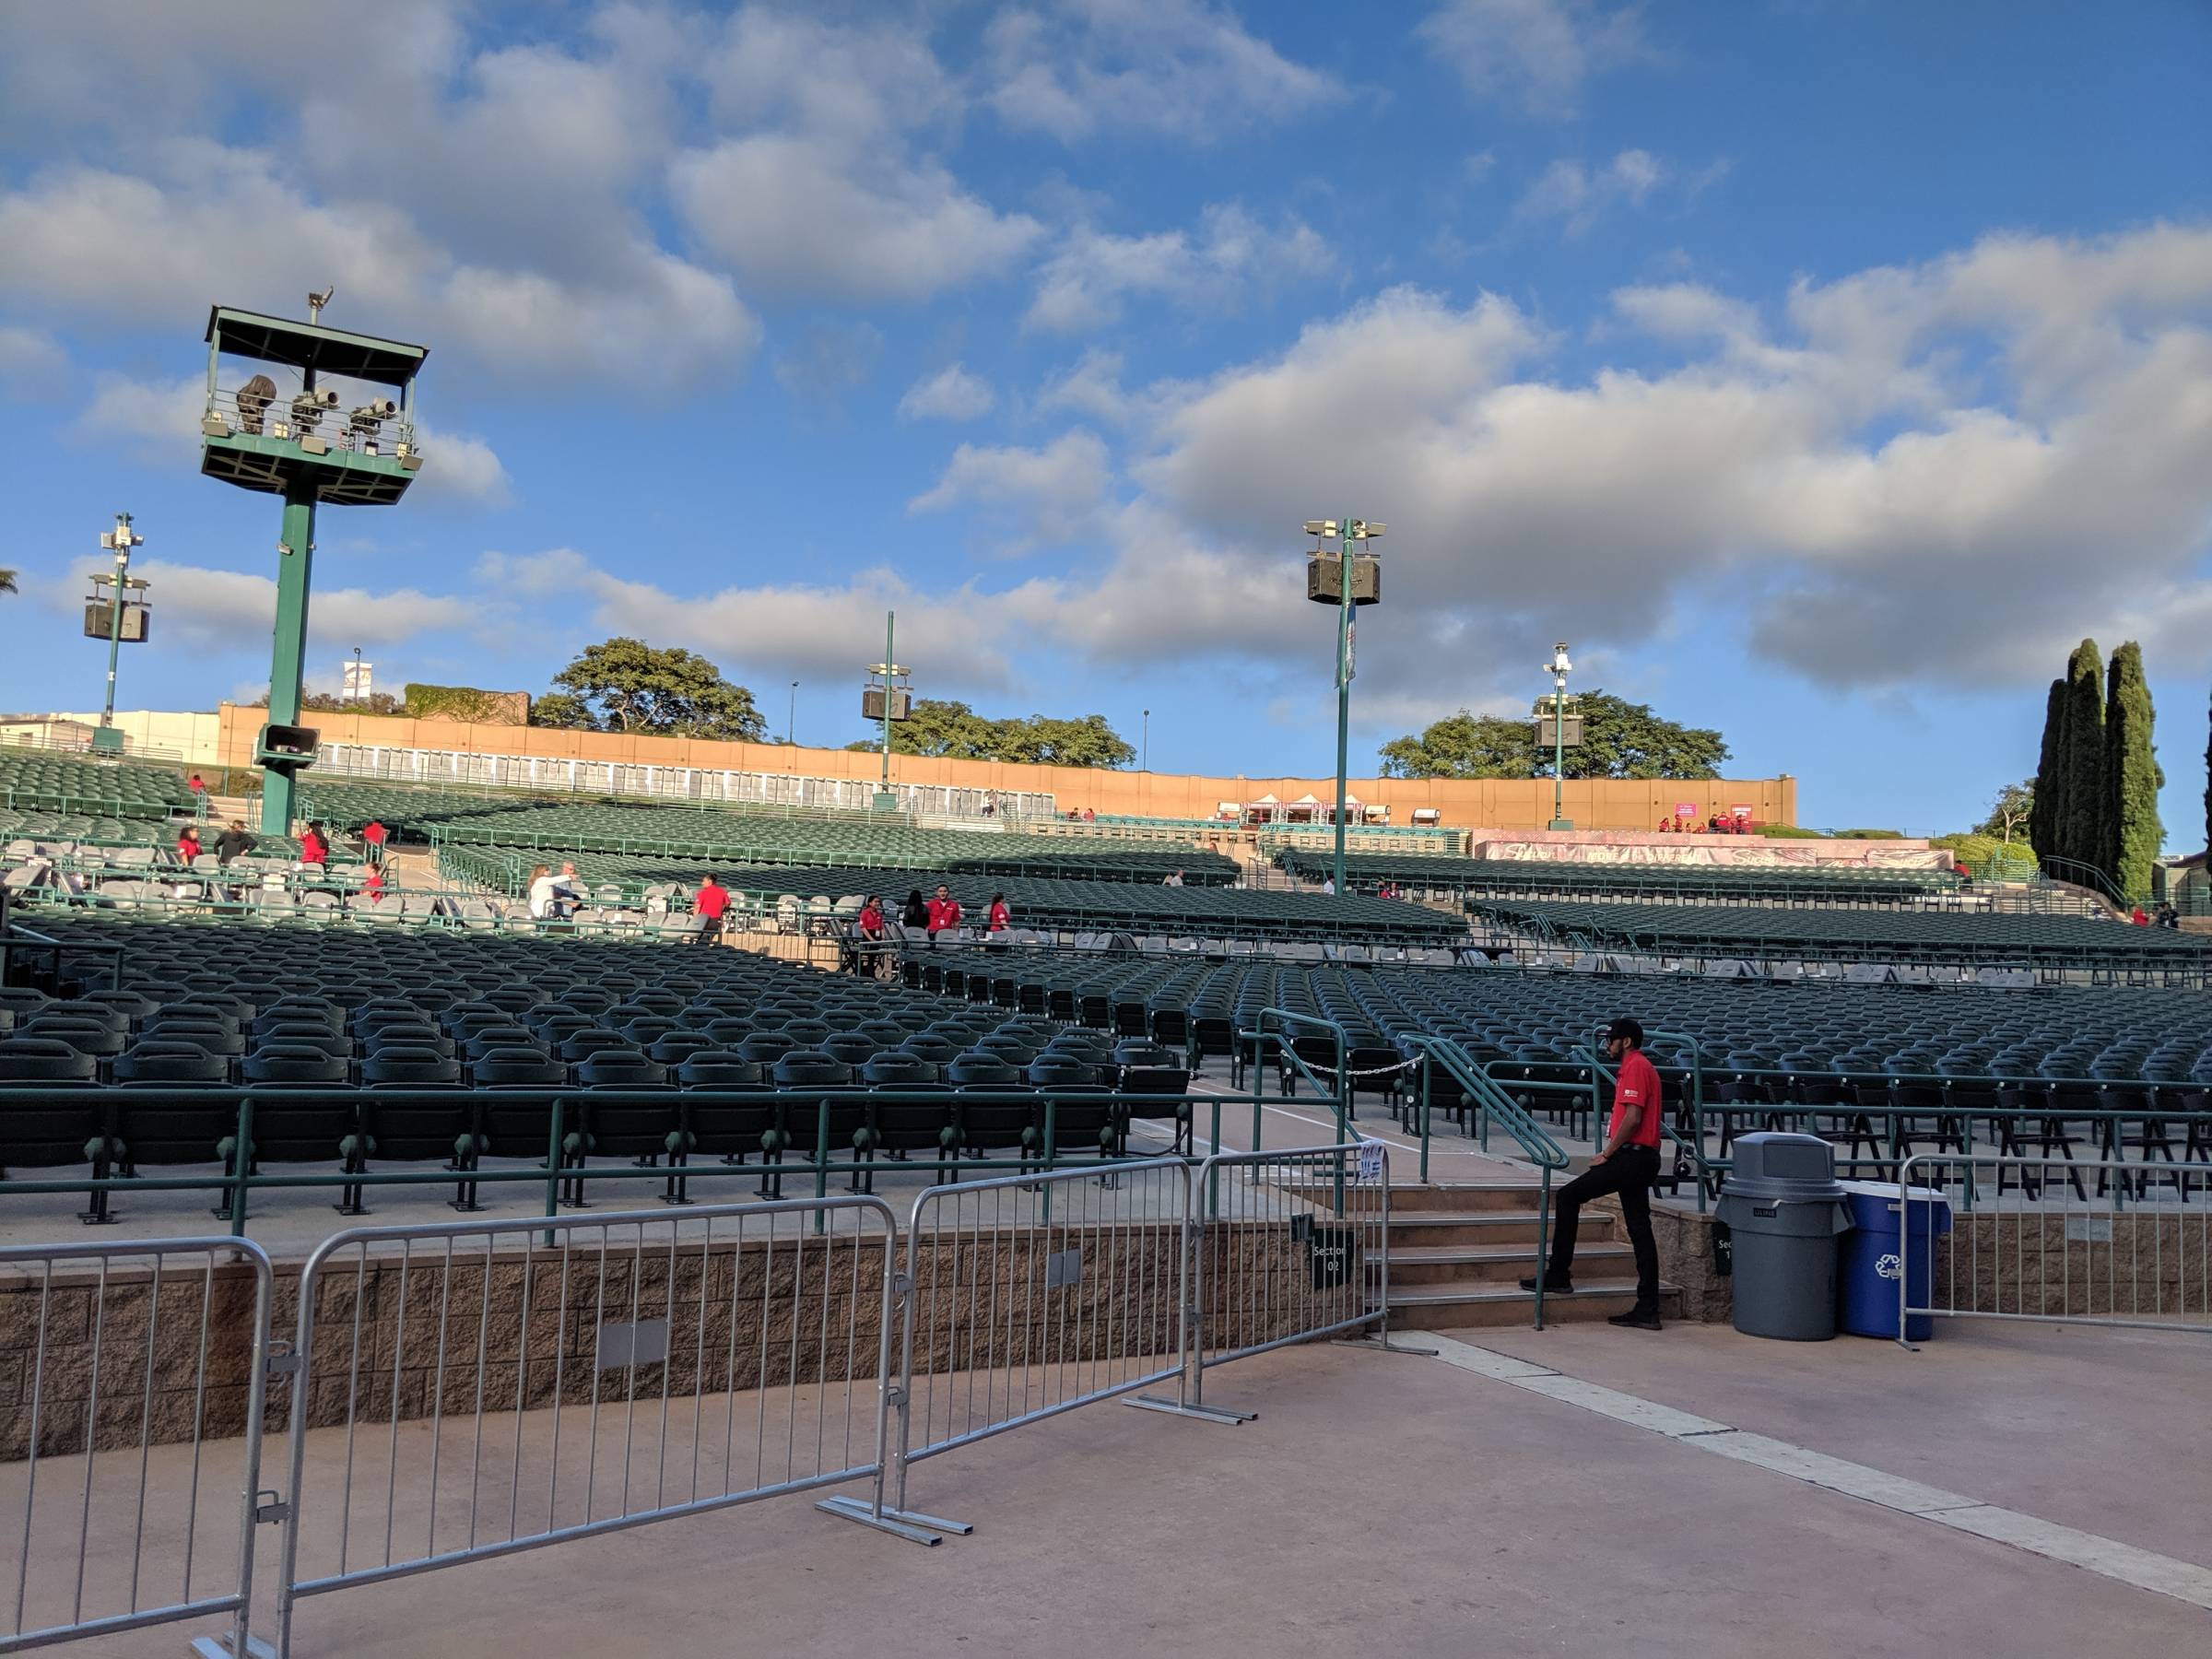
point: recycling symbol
(1889, 1267)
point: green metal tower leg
(1344, 686)
(289, 660)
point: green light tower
(305, 443)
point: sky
(1821, 371)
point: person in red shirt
(372, 884)
(188, 844)
(709, 904)
(314, 848)
(1626, 1164)
(999, 915)
(871, 919)
(373, 836)
(944, 913)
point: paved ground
(1400, 1505)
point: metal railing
(111, 1474)
(1016, 1315)
(627, 1356)
(2110, 1260)
(280, 417)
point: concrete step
(1458, 1197)
(1427, 1228)
(1496, 1264)
(1455, 1307)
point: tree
(2080, 834)
(7, 582)
(1620, 739)
(330, 702)
(558, 709)
(2131, 831)
(629, 685)
(2050, 779)
(956, 731)
(2010, 813)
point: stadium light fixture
(1345, 578)
(1559, 668)
(116, 618)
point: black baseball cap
(1625, 1026)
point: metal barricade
(2055, 1240)
(1284, 1247)
(473, 1389)
(1032, 1295)
(131, 1453)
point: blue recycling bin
(1872, 1258)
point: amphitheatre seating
(1051, 904)
(1517, 879)
(844, 841)
(2060, 943)
(42, 780)
(349, 1038)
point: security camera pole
(1348, 533)
(1558, 668)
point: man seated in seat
(709, 904)
(1627, 1164)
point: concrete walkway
(1399, 1505)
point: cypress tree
(2080, 833)
(2131, 831)
(2050, 784)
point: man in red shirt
(373, 835)
(1626, 1164)
(944, 913)
(709, 904)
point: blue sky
(1822, 371)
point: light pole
(121, 540)
(1356, 581)
(1558, 668)
(791, 726)
(890, 701)
(1144, 761)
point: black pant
(1630, 1172)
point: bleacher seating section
(42, 781)
(1051, 904)
(2061, 943)
(331, 1016)
(1516, 878)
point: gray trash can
(1786, 1210)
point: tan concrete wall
(1494, 803)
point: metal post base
(910, 1524)
(218, 1647)
(1207, 1414)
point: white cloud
(228, 225)
(1180, 68)
(802, 216)
(159, 421)
(846, 81)
(1092, 386)
(789, 630)
(1538, 55)
(1055, 492)
(1578, 196)
(225, 610)
(1948, 474)
(1084, 284)
(951, 393)
(28, 360)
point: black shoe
(1562, 1286)
(1637, 1318)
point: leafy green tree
(956, 731)
(329, 703)
(1620, 739)
(2080, 834)
(629, 685)
(2010, 813)
(2050, 772)
(7, 582)
(559, 708)
(2131, 831)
